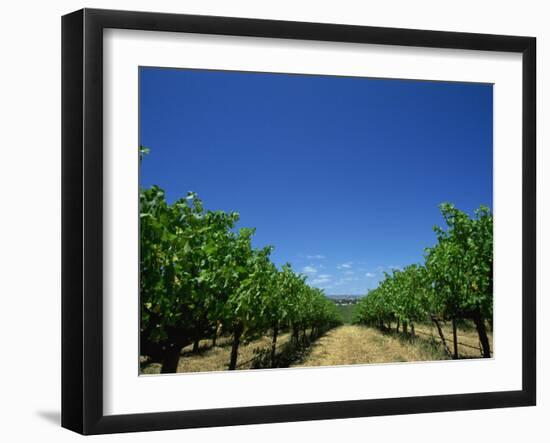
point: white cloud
(309, 270)
(349, 272)
(346, 265)
(370, 274)
(316, 257)
(322, 278)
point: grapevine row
(200, 277)
(454, 283)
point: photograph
(292, 220)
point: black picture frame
(82, 218)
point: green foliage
(184, 270)
(461, 264)
(347, 312)
(143, 151)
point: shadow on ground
(292, 352)
(53, 417)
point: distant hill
(344, 299)
(339, 296)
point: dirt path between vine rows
(353, 344)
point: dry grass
(216, 358)
(351, 344)
(468, 340)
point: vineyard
(200, 278)
(455, 283)
(211, 301)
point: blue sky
(343, 176)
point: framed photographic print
(268, 221)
